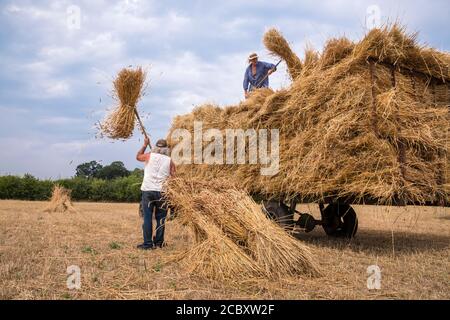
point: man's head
(161, 147)
(161, 143)
(253, 58)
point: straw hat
(252, 56)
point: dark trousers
(153, 200)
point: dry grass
(128, 89)
(347, 129)
(411, 246)
(60, 201)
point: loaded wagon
(361, 123)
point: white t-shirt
(156, 171)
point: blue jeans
(153, 200)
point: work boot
(145, 246)
(161, 245)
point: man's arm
(270, 67)
(246, 82)
(141, 156)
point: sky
(58, 60)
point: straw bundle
(235, 239)
(128, 89)
(60, 201)
(366, 121)
(277, 45)
(335, 50)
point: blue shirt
(262, 68)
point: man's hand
(246, 94)
(141, 156)
(271, 71)
(146, 141)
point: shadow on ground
(379, 242)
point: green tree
(126, 189)
(115, 170)
(25, 188)
(138, 173)
(88, 169)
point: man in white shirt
(158, 167)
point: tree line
(91, 182)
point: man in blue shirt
(257, 74)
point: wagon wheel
(340, 220)
(279, 212)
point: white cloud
(72, 147)
(37, 67)
(57, 120)
(56, 89)
(96, 48)
(12, 9)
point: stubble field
(410, 246)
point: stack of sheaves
(360, 121)
(234, 238)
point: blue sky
(55, 80)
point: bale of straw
(311, 58)
(60, 201)
(277, 45)
(128, 89)
(335, 50)
(369, 120)
(235, 239)
(217, 257)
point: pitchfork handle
(267, 75)
(142, 126)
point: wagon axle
(337, 219)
